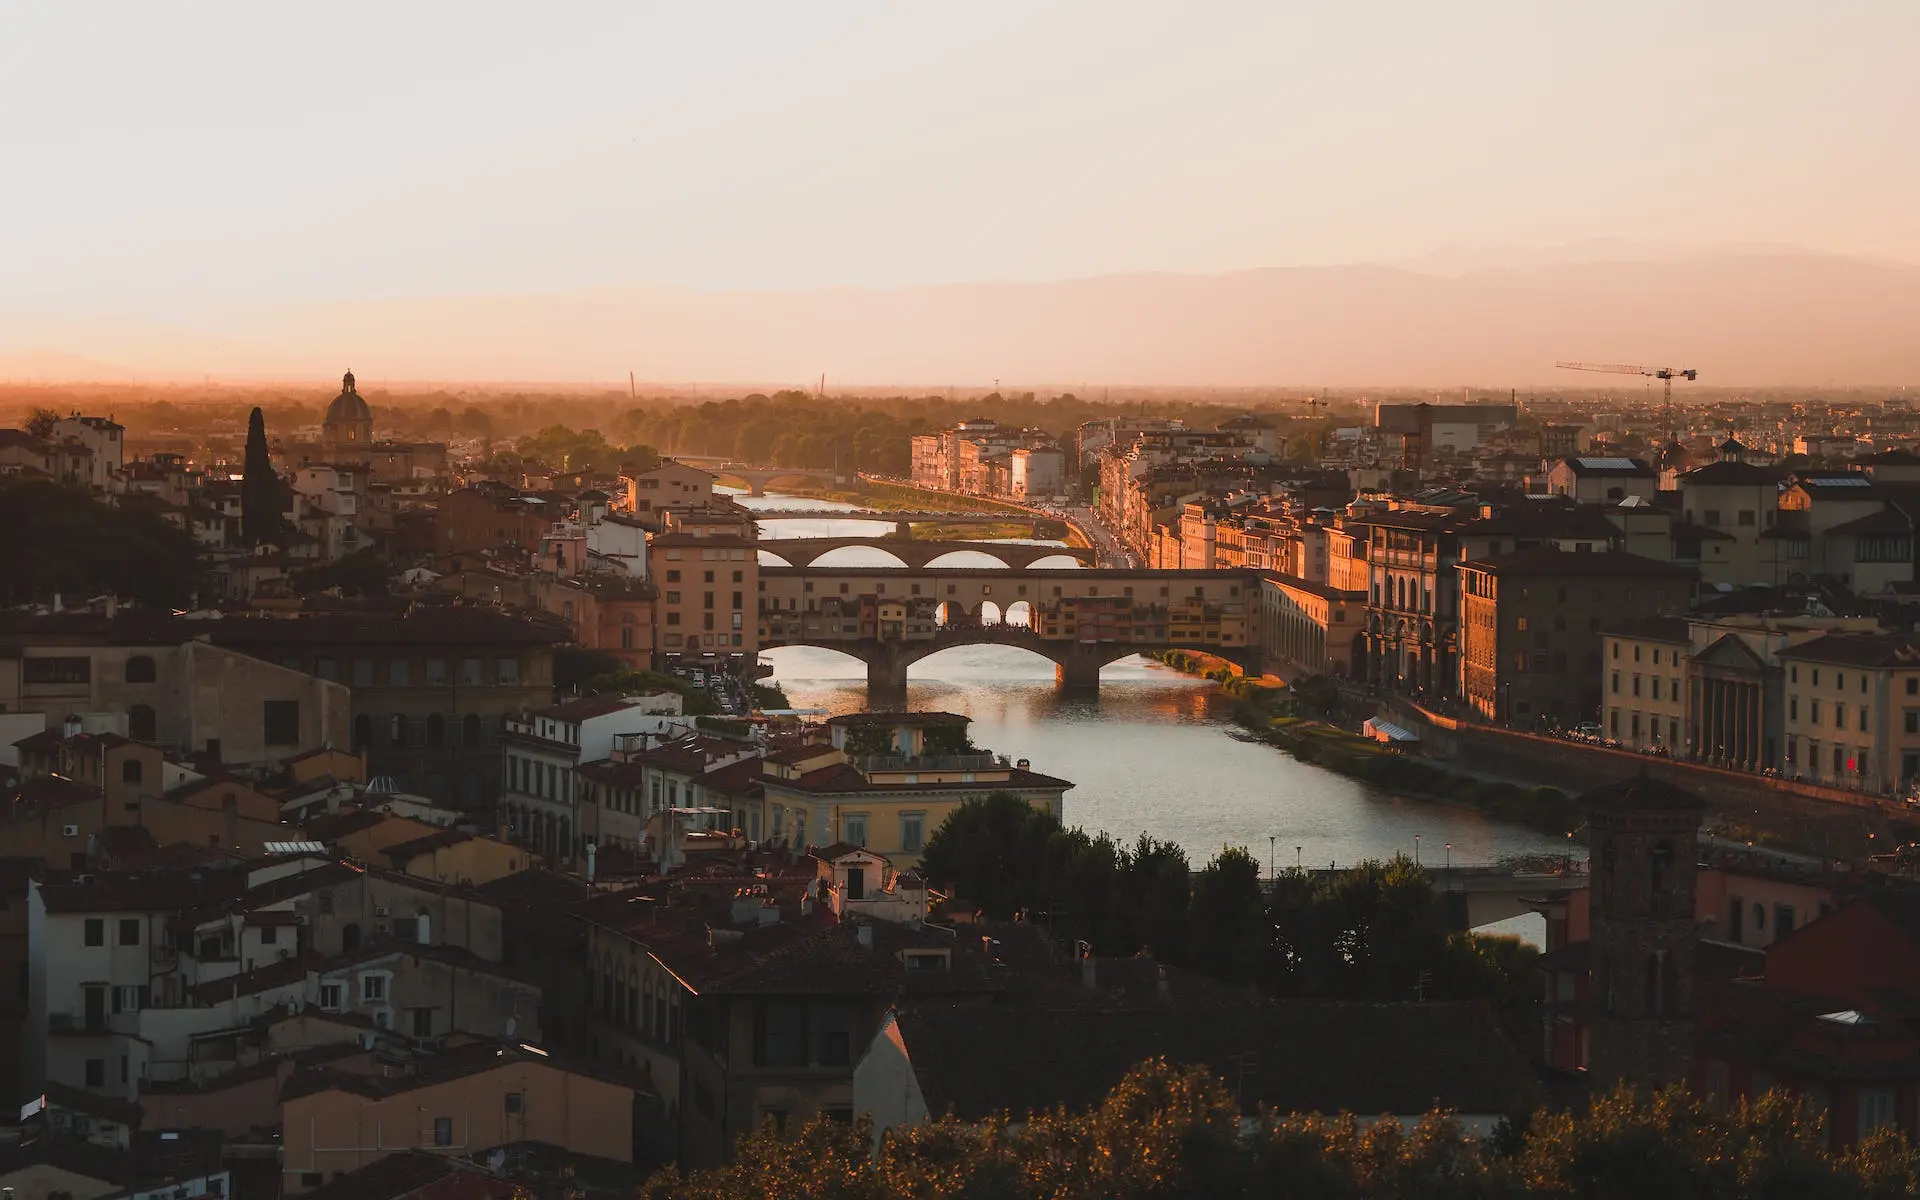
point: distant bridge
(757, 476)
(802, 552)
(903, 518)
(1209, 611)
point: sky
(166, 158)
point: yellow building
(1853, 711)
(886, 781)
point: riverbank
(1264, 708)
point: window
(509, 669)
(130, 931)
(330, 994)
(783, 1034)
(96, 1072)
(142, 723)
(281, 719)
(1913, 685)
(1783, 916)
(913, 832)
(1876, 1108)
(363, 672)
(443, 1131)
(56, 670)
(469, 672)
(397, 731)
(130, 999)
(373, 989)
(96, 931)
(436, 672)
(423, 1022)
(269, 935)
(327, 668)
(131, 771)
(140, 669)
(856, 828)
(397, 672)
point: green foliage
(768, 695)
(263, 497)
(40, 422)
(574, 665)
(564, 449)
(55, 538)
(626, 681)
(1226, 926)
(1171, 1131)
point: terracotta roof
(283, 972)
(1292, 1056)
(1545, 560)
(1732, 473)
(405, 1174)
(463, 1062)
(405, 852)
(142, 891)
(842, 778)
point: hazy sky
(162, 156)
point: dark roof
(1860, 650)
(586, 708)
(1611, 466)
(1294, 1056)
(1545, 560)
(1732, 473)
(463, 1062)
(1887, 522)
(1663, 629)
(142, 891)
(93, 1104)
(400, 1175)
(896, 720)
(280, 973)
(843, 778)
(439, 624)
(1641, 793)
(405, 852)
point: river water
(1154, 752)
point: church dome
(349, 417)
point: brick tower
(1643, 836)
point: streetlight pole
(1270, 840)
(1416, 849)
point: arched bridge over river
(890, 618)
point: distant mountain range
(1742, 316)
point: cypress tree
(260, 507)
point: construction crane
(1664, 374)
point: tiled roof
(1860, 650)
(404, 1174)
(841, 778)
(1545, 560)
(283, 972)
(464, 1062)
(1292, 1056)
(405, 852)
(147, 891)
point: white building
(540, 797)
(620, 539)
(1038, 471)
(104, 438)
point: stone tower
(349, 419)
(1643, 836)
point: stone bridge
(756, 476)
(904, 518)
(802, 552)
(1208, 611)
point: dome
(349, 417)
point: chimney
(591, 849)
(423, 930)
(864, 932)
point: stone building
(1643, 837)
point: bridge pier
(886, 678)
(1077, 671)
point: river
(1154, 753)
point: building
(432, 687)
(1853, 711)
(161, 681)
(886, 781)
(461, 1103)
(1037, 472)
(1311, 626)
(705, 583)
(1602, 480)
(542, 789)
(1530, 643)
(1294, 1056)
(669, 487)
(1648, 711)
(346, 439)
(105, 441)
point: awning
(1387, 731)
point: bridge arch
(1019, 613)
(963, 560)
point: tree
(1227, 919)
(262, 496)
(40, 422)
(362, 573)
(992, 852)
(58, 539)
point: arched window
(140, 669)
(397, 731)
(362, 731)
(131, 771)
(436, 729)
(470, 730)
(142, 723)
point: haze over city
(1064, 194)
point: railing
(930, 762)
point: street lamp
(1416, 849)
(1449, 856)
(1270, 840)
